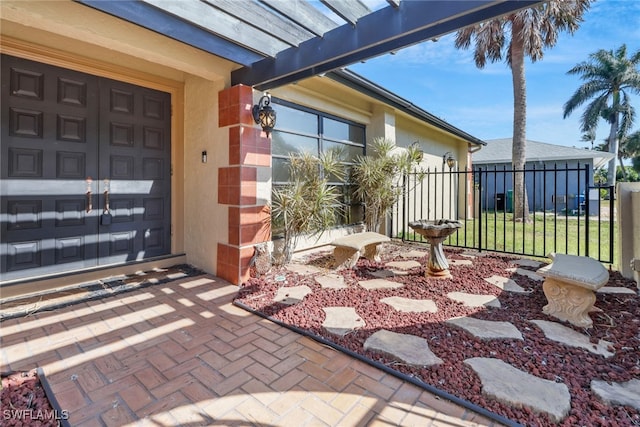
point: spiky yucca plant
(308, 205)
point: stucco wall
(628, 241)
(206, 221)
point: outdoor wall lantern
(264, 115)
(448, 159)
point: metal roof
(276, 42)
(499, 151)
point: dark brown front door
(85, 171)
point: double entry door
(86, 171)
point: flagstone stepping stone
(616, 290)
(486, 329)
(414, 254)
(399, 272)
(408, 305)
(407, 348)
(341, 320)
(373, 284)
(291, 295)
(627, 393)
(473, 254)
(460, 262)
(506, 284)
(475, 300)
(523, 272)
(565, 335)
(331, 281)
(512, 386)
(383, 274)
(524, 262)
(403, 265)
(303, 269)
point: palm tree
(632, 148)
(609, 80)
(589, 136)
(530, 31)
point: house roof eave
(367, 87)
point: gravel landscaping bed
(25, 402)
(616, 320)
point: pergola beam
(386, 30)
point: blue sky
(444, 80)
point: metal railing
(566, 213)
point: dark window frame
(322, 140)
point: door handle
(105, 218)
(89, 207)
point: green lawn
(545, 233)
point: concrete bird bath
(435, 232)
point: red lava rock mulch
(25, 402)
(617, 321)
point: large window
(300, 130)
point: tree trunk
(622, 169)
(518, 158)
(613, 148)
(613, 139)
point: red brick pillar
(249, 160)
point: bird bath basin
(435, 232)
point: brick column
(238, 184)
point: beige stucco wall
(206, 221)
(326, 95)
(434, 142)
(628, 219)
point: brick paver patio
(181, 353)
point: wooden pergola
(276, 42)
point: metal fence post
(480, 211)
(586, 208)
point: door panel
(64, 133)
(134, 170)
(48, 152)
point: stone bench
(349, 248)
(570, 284)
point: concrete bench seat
(349, 249)
(570, 284)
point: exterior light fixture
(264, 115)
(448, 159)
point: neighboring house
(555, 180)
(128, 140)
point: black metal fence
(567, 213)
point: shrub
(307, 205)
(377, 179)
